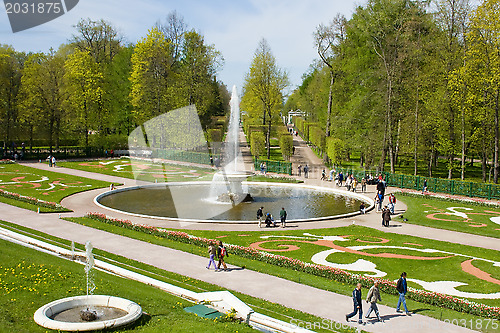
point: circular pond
(192, 201)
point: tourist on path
(354, 184)
(221, 253)
(212, 252)
(381, 185)
(363, 185)
(386, 216)
(260, 214)
(306, 171)
(54, 161)
(341, 178)
(424, 188)
(356, 298)
(50, 160)
(323, 175)
(331, 174)
(269, 221)
(299, 168)
(283, 217)
(373, 297)
(402, 288)
(380, 200)
(392, 203)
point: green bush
(286, 145)
(257, 144)
(299, 124)
(317, 137)
(215, 134)
(306, 132)
(336, 150)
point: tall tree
(83, 83)
(266, 82)
(42, 91)
(151, 70)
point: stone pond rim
(354, 210)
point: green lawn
(49, 186)
(27, 273)
(143, 170)
(425, 270)
(441, 214)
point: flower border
(31, 200)
(433, 298)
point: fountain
(227, 183)
(88, 312)
(228, 197)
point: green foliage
(336, 150)
(215, 134)
(257, 144)
(286, 145)
(317, 137)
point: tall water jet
(227, 183)
(89, 314)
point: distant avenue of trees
(94, 90)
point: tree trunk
(329, 112)
(495, 157)
(484, 164)
(415, 150)
(268, 136)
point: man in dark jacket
(356, 298)
(402, 288)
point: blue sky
(234, 27)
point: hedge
(257, 144)
(286, 145)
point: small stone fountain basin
(43, 316)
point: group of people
(269, 220)
(52, 161)
(217, 251)
(373, 297)
(304, 168)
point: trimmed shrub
(286, 145)
(336, 150)
(215, 134)
(257, 144)
(317, 137)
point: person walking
(402, 288)
(380, 201)
(386, 216)
(260, 214)
(354, 184)
(356, 298)
(323, 174)
(363, 184)
(283, 217)
(424, 188)
(392, 203)
(372, 298)
(54, 161)
(221, 253)
(299, 169)
(306, 171)
(212, 252)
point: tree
(265, 82)
(84, 81)
(483, 68)
(151, 70)
(43, 96)
(327, 40)
(11, 64)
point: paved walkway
(304, 298)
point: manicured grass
(392, 265)
(146, 171)
(154, 321)
(48, 186)
(435, 213)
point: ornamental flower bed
(387, 286)
(447, 197)
(31, 200)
